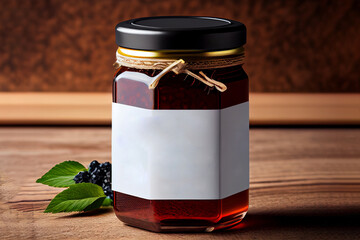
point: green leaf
(78, 197)
(95, 205)
(62, 174)
(107, 202)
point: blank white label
(180, 154)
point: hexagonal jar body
(180, 149)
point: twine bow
(179, 67)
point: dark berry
(104, 185)
(100, 174)
(83, 176)
(108, 175)
(105, 166)
(107, 190)
(96, 177)
(93, 166)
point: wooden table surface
(304, 184)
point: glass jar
(180, 147)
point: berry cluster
(98, 173)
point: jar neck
(175, 54)
(180, 62)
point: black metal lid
(180, 33)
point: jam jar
(180, 124)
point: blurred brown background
(293, 46)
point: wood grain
(95, 108)
(292, 46)
(304, 184)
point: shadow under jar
(180, 149)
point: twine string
(180, 66)
(172, 67)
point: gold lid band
(178, 53)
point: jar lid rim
(180, 33)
